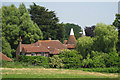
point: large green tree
(106, 38)
(116, 23)
(6, 48)
(47, 22)
(10, 25)
(17, 22)
(28, 30)
(84, 46)
(76, 29)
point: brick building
(46, 48)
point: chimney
(20, 42)
(19, 48)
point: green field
(52, 73)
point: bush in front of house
(35, 60)
(101, 59)
(56, 62)
(71, 59)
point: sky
(80, 13)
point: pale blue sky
(81, 13)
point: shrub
(71, 58)
(108, 70)
(98, 59)
(112, 60)
(87, 63)
(11, 64)
(35, 60)
(84, 46)
(56, 62)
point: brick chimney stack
(20, 42)
(19, 48)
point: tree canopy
(116, 23)
(106, 38)
(47, 22)
(17, 22)
(89, 31)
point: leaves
(17, 22)
(47, 22)
(106, 38)
(84, 46)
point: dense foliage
(35, 60)
(17, 22)
(76, 29)
(99, 51)
(89, 31)
(116, 23)
(106, 38)
(47, 22)
(6, 48)
(56, 62)
(84, 46)
(70, 58)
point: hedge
(35, 60)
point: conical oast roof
(71, 39)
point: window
(42, 53)
(46, 55)
(33, 54)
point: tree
(116, 23)
(10, 25)
(106, 38)
(89, 31)
(71, 59)
(22, 9)
(17, 22)
(76, 29)
(29, 31)
(47, 22)
(6, 48)
(84, 46)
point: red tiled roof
(55, 51)
(71, 40)
(54, 46)
(4, 57)
(70, 46)
(51, 46)
(31, 48)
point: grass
(51, 73)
